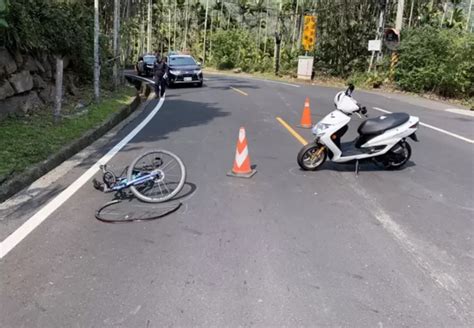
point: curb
(17, 183)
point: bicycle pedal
(98, 185)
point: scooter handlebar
(362, 110)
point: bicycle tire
(168, 196)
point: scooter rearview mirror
(350, 89)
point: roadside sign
(391, 38)
(375, 45)
(308, 39)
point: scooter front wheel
(312, 156)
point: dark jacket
(160, 69)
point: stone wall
(27, 82)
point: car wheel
(200, 84)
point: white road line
(433, 128)
(278, 82)
(447, 132)
(382, 110)
(460, 111)
(33, 222)
(430, 260)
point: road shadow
(185, 86)
(242, 87)
(178, 114)
(368, 166)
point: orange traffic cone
(242, 168)
(306, 117)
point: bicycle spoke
(166, 187)
(161, 192)
(164, 166)
(172, 175)
(174, 165)
(162, 185)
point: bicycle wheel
(170, 178)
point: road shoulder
(412, 99)
(19, 207)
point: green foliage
(289, 60)
(236, 48)
(28, 141)
(343, 32)
(58, 28)
(3, 13)
(437, 60)
(368, 80)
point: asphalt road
(285, 248)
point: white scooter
(381, 139)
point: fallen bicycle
(154, 177)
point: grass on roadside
(30, 140)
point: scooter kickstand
(357, 167)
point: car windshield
(149, 59)
(181, 61)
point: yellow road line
(293, 132)
(239, 91)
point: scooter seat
(382, 123)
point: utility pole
(169, 29)
(399, 19)
(266, 29)
(205, 30)
(411, 12)
(116, 43)
(221, 15)
(276, 53)
(469, 15)
(445, 9)
(186, 27)
(59, 88)
(294, 35)
(141, 39)
(96, 52)
(210, 36)
(174, 29)
(378, 35)
(398, 27)
(148, 44)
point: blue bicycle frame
(123, 183)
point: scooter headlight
(319, 128)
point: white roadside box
(305, 67)
(375, 45)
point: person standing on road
(161, 68)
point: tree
(96, 52)
(116, 49)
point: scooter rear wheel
(312, 156)
(398, 156)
